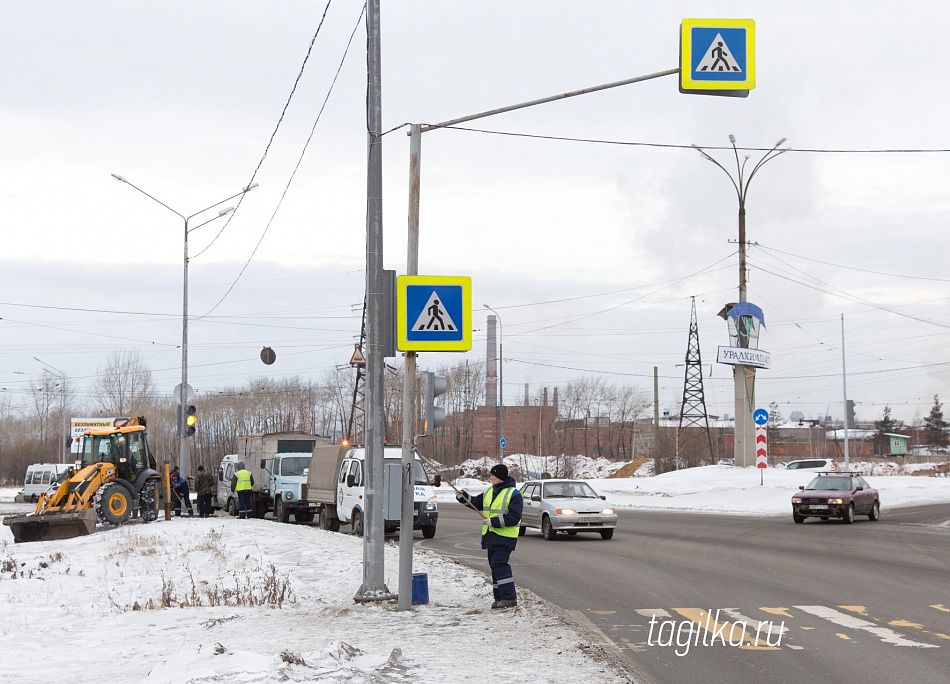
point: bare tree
(125, 385)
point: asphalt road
(711, 598)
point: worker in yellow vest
(242, 482)
(501, 506)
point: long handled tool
(468, 502)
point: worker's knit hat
(500, 471)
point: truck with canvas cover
(336, 481)
(114, 480)
(278, 463)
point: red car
(836, 495)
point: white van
(39, 477)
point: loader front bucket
(32, 528)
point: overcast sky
(590, 251)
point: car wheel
(304, 516)
(875, 513)
(358, 523)
(798, 518)
(428, 531)
(547, 529)
(522, 530)
(824, 517)
(848, 514)
(571, 533)
(606, 534)
(232, 508)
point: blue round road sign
(502, 442)
(760, 417)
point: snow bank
(229, 600)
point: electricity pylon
(693, 410)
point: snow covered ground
(226, 600)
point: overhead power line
(681, 146)
(303, 151)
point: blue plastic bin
(420, 588)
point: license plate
(311, 504)
(819, 507)
(591, 520)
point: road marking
(653, 612)
(727, 631)
(604, 612)
(941, 607)
(779, 629)
(777, 611)
(905, 623)
(843, 636)
(885, 634)
(860, 610)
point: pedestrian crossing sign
(717, 56)
(434, 313)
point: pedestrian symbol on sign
(718, 57)
(434, 316)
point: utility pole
(374, 587)
(409, 383)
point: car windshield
(569, 490)
(834, 484)
(294, 465)
(419, 474)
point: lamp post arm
(721, 168)
(769, 156)
(226, 199)
(151, 197)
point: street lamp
(741, 183)
(62, 403)
(183, 398)
(744, 376)
(501, 391)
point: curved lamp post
(183, 401)
(744, 376)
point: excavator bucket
(32, 528)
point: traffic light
(850, 418)
(433, 415)
(190, 421)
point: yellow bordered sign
(433, 313)
(717, 56)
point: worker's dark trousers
(204, 505)
(503, 584)
(244, 503)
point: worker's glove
(462, 497)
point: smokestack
(526, 394)
(555, 401)
(491, 364)
(544, 397)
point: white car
(812, 464)
(569, 506)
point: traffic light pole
(374, 246)
(409, 385)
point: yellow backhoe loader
(115, 480)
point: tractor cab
(125, 447)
